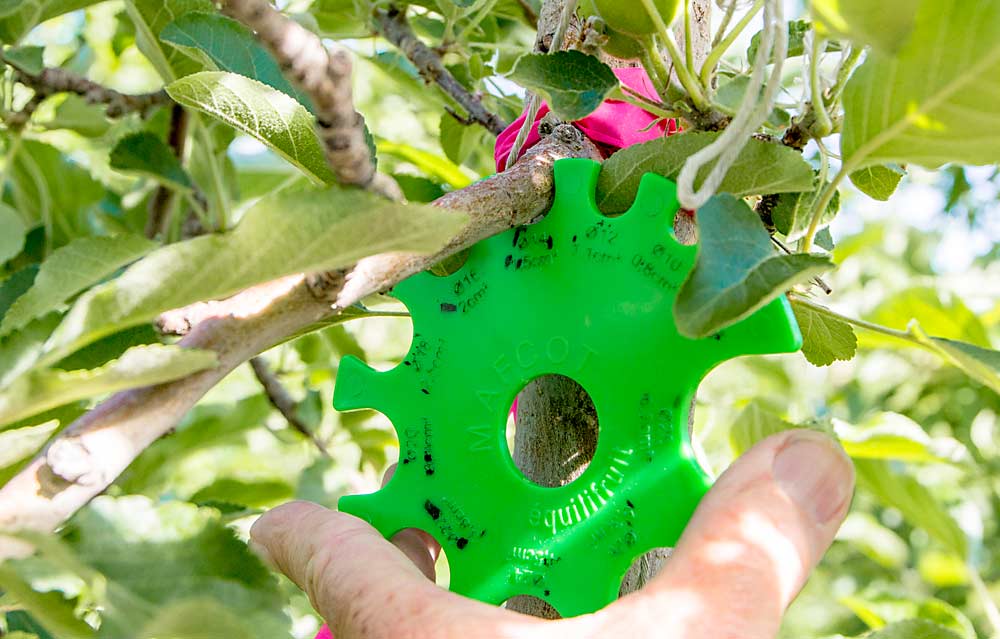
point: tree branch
(279, 397)
(52, 81)
(325, 75)
(396, 29)
(95, 449)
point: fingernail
(815, 473)
(262, 554)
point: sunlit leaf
(266, 114)
(873, 539)
(934, 101)
(42, 389)
(886, 435)
(918, 506)
(878, 182)
(982, 364)
(884, 25)
(71, 269)
(825, 339)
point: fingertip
(758, 533)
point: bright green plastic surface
(577, 294)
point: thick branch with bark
(325, 75)
(94, 450)
(394, 26)
(51, 81)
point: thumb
(755, 538)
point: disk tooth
(375, 508)
(589, 593)
(358, 385)
(416, 290)
(773, 328)
(575, 184)
(655, 203)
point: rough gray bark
(557, 427)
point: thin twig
(51, 81)
(818, 281)
(279, 397)
(529, 12)
(394, 26)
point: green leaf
(730, 95)
(952, 319)
(229, 46)
(253, 494)
(797, 30)
(753, 424)
(825, 339)
(20, 350)
(142, 559)
(736, 271)
(891, 436)
(418, 189)
(906, 494)
(339, 19)
(285, 233)
(761, 168)
(146, 154)
(20, 16)
(877, 542)
(12, 288)
(40, 390)
(573, 83)
(264, 113)
(49, 185)
(50, 608)
(18, 445)
(881, 608)
(878, 182)
(150, 17)
(931, 103)
(943, 569)
(436, 167)
(194, 619)
(885, 24)
(981, 364)
(27, 59)
(12, 233)
(458, 140)
(792, 214)
(71, 269)
(71, 112)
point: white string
(753, 111)
(534, 102)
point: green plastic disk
(577, 294)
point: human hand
(742, 559)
